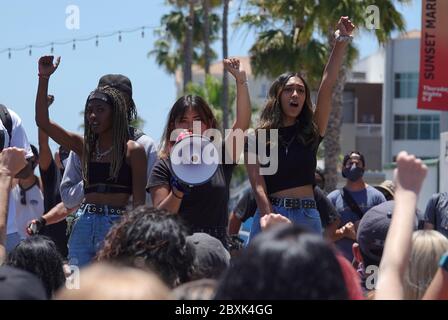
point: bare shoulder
(134, 148)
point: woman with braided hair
(113, 166)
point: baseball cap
(210, 256)
(388, 186)
(372, 230)
(119, 82)
(17, 284)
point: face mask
(353, 173)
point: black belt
(100, 208)
(293, 203)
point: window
(359, 75)
(406, 85)
(416, 127)
(348, 107)
(263, 91)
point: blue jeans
(12, 240)
(88, 233)
(307, 218)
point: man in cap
(211, 259)
(371, 237)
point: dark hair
(120, 131)
(35, 151)
(178, 110)
(347, 157)
(285, 262)
(272, 115)
(151, 238)
(39, 256)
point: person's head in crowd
(353, 166)
(387, 188)
(102, 281)
(371, 234)
(203, 289)
(284, 262)
(39, 256)
(154, 239)
(185, 111)
(211, 259)
(124, 85)
(320, 178)
(427, 248)
(18, 284)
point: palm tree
(225, 75)
(288, 41)
(205, 6)
(169, 46)
(188, 44)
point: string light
(52, 44)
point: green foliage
(211, 91)
(168, 48)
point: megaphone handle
(182, 187)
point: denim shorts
(307, 218)
(88, 233)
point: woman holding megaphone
(203, 207)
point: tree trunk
(332, 143)
(188, 46)
(332, 136)
(225, 77)
(205, 6)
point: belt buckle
(285, 203)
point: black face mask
(353, 173)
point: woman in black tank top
(105, 145)
(289, 190)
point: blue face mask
(353, 173)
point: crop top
(296, 162)
(99, 180)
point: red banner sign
(433, 84)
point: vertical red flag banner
(433, 82)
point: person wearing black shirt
(289, 191)
(204, 207)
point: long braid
(120, 132)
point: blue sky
(28, 22)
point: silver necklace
(100, 155)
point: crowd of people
(108, 219)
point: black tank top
(296, 162)
(99, 180)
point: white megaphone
(194, 159)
